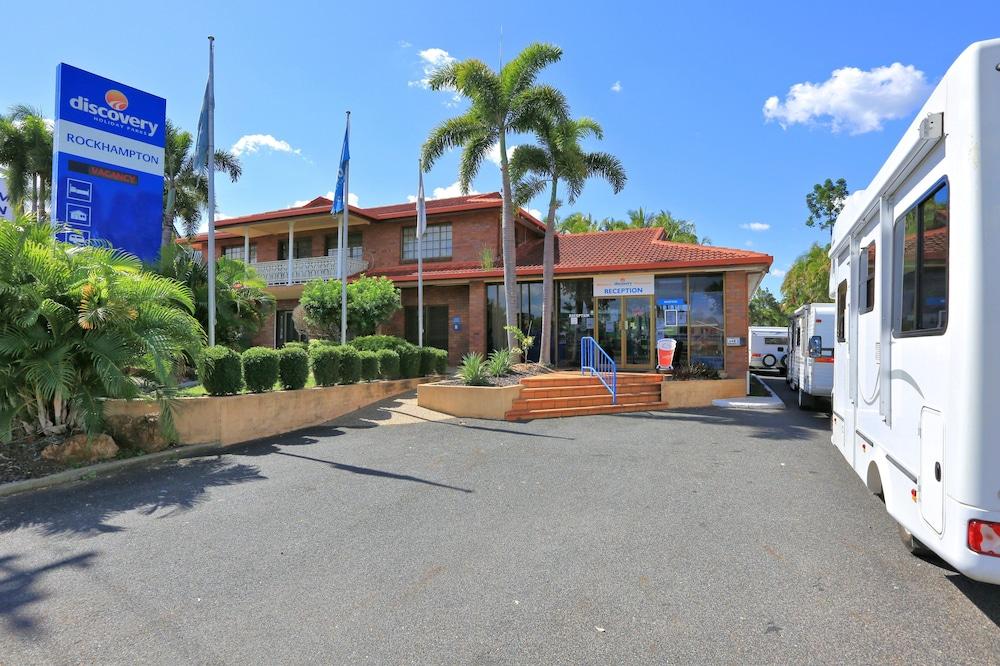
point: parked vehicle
(810, 361)
(768, 348)
(915, 401)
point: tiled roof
(595, 252)
(322, 205)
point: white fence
(306, 269)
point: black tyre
(769, 361)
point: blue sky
(679, 87)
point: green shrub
(260, 369)
(426, 361)
(325, 361)
(369, 365)
(440, 361)
(220, 371)
(388, 363)
(296, 344)
(350, 365)
(293, 368)
(409, 362)
(696, 371)
(377, 342)
(499, 362)
(370, 301)
(473, 370)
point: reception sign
(631, 284)
(108, 162)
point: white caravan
(768, 348)
(916, 401)
(810, 361)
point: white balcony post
(246, 245)
(291, 249)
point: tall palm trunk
(167, 230)
(34, 195)
(509, 246)
(548, 276)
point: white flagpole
(421, 211)
(342, 248)
(211, 191)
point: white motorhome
(768, 348)
(810, 360)
(916, 403)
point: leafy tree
(370, 301)
(765, 310)
(242, 302)
(78, 324)
(500, 102)
(185, 184)
(559, 159)
(26, 154)
(577, 223)
(807, 281)
(825, 203)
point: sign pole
(421, 216)
(211, 191)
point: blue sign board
(108, 162)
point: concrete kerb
(772, 402)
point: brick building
(625, 288)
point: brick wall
(471, 232)
(737, 321)
(457, 299)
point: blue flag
(201, 147)
(340, 194)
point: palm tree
(501, 102)
(577, 223)
(26, 153)
(185, 186)
(559, 158)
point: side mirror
(815, 346)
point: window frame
(898, 257)
(867, 269)
(295, 243)
(230, 248)
(841, 326)
(403, 241)
(330, 244)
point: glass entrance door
(624, 329)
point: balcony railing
(306, 269)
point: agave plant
(78, 324)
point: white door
(843, 404)
(931, 488)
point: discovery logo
(114, 112)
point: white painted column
(246, 245)
(291, 248)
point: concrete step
(515, 415)
(585, 391)
(532, 404)
(566, 380)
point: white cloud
(251, 143)
(536, 213)
(432, 60)
(778, 272)
(755, 226)
(403, 44)
(852, 99)
(352, 200)
(494, 154)
(749, 243)
(453, 190)
(616, 87)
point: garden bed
(517, 372)
(22, 459)
(474, 402)
(700, 392)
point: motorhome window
(841, 311)
(867, 279)
(776, 341)
(921, 291)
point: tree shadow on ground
(19, 589)
(276, 446)
(768, 425)
(85, 509)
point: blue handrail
(599, 364)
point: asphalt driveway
(704, 535)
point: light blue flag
(340, 195)
(201, 147)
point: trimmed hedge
(369, 365)
(388, 363)
(293, 367)
(260, 368)
(220, 370)
(427, 358)
(409, 362)
(350, 365)
(325, 361)
(377, 342)
(298, 344)
(440, 361)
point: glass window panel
(436, 242)
(672, 310)
(576, 318)
(706, 320)
(921, 292)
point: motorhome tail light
(984, 537)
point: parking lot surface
(394, 535)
